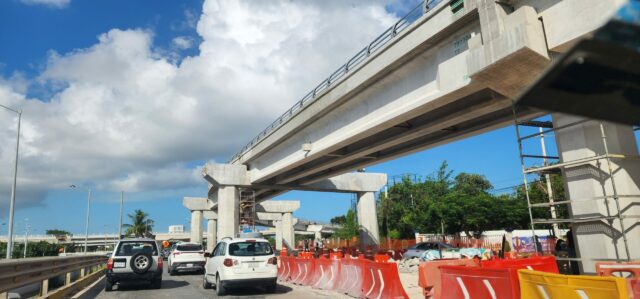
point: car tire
(172, 272)
(205, 284)
(219, 286)
(141, 262)
(108, 285)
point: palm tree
(141, 226)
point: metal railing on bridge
(16, 273)
(384, 38)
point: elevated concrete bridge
(450, 74)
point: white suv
(186, 257)
(241, 261)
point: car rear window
(131, 248)
(189, 247)
(250, 249)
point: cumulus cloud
(183, 42)
(50, 3)
(126, 116)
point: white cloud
(50, 3)
(183, 42)
(126, 116)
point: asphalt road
(190, 286)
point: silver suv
(134, 259)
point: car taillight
(273, 261)
(160, 262)
(110, 264)
(230, 262)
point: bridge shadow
(255, 291)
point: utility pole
(86, 231)
(12, 202)
(121, 205)
(552, 207)
(26, 237)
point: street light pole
(12, 203)
(86, 232)
(121, 205)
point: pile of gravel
(409, 265)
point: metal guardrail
(387, 36)
(20, 272)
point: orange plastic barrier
(286, 268)
(304, 271)
(326, 274)
(633, 268)
(429, 275)
(350, 277)
(538, 263)
(542, 285)
(381, 280)
(476, 282)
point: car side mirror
(206, 254)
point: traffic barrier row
(357, 277)
(468, 278)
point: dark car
(135, 259)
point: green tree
(140, 225)
(338, 220)
(57, 232)
(350, 227)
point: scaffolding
(545, 169)
(247, 210)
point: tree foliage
(349, 227)
(140, 225)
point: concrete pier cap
(197, 203)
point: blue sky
(86, 72)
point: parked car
(416, 251)
(186, 257)
(241, 262)
(134, 259)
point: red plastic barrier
(350, 277)
(537, 263)
(381, 280)
(326, 274)
(304, 273)
(286, 268)
(429, 275)
(633, 268)
(476, 282)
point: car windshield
(250, 249)
(131, 248)
(189, 247)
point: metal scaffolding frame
(247, 209)
(546, 168)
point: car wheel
(108, 285)
(140, 262)
(205, 284)
(172, 272)
(219, 286)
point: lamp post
(86, 231)
(12, 203)
(121, 205)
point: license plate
(189, 265)
(253, 264)
(119, 265)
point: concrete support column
(368, 220)
(196, 227)
(288, 235)
(44, 289)
(584, 183)
(228, 212)
(278, 228)
(212, 234)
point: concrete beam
(210, 215)
(197, 203)
(269, 216)
(278, 206)
(353, 182)
(226, 175)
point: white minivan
(241, 262)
